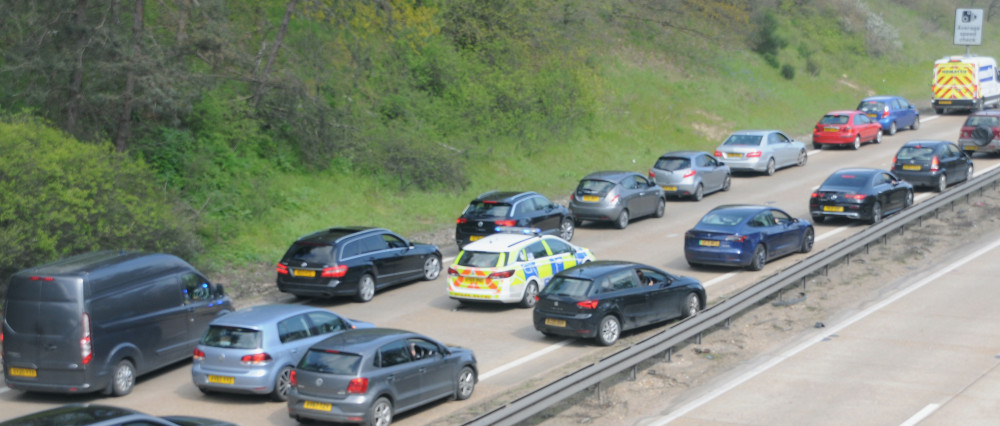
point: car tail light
(255, 358)
(614, 200)
(537, 298)
(507, 222)
(815, 195)
(502, 274)
(42, 278)
(690, 173)
(358, 385)
(718, 153)
(893, 159)
(199, 354)
(736, 238)
(292, 379)
(845, 129)
(885, 111)
(652, 174)
(452, 271)
(587, 304)
(335, 271)
(461, 220)
(86, 349)
(754, 154)
(858, 197)
(282, 269)
(935, 164)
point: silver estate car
(761, 151)
(690, 174)
(367, 376)
(616, 197)
(253, 350)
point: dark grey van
(94, 322)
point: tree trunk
(128, 96)
(262, 77)
(76, 76)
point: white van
(966, 83)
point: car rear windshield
(567, 286)
(487, 209)
(834, 119)
(672, 163)
(231, 337)
(478, 259)
(330, 362)
(724, 218)
(847, 179)
(919, 153)
(982, 120)
(752, 140)
(592, 186)
(310, 253)
(871, 107)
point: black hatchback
(512, 209)
(354, 261)
(603, 298)
(933, 164)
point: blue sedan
(892, 112)
(746, 235)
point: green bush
(788, 71)
(62, 197)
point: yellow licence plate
(911, 167)
(732, 155)
(475, 237)
(555, 322)
(970, 147)
(669, 188)
(23, 372)
(708, 243)
(591, 198)
(944, 102)
(477, 282)
(831, 129)
(317, 406)
(304, 273)
(871, 115)
(833, 208)
(225, 380)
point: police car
(511, 266)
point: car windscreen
(478, 259)
(310, 253)
(479, 208)
(752, 140)
(834, 119)
(918, 153)
(871, 107)
(330, 362)
(982, 120)
(849, 179)
(567, 286)
(231, 337)
(593, 186)
(724, 218)
(672, 163)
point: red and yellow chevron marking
(955, 81)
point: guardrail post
(847, 259)
(670, 353)
(729, 322)
(631, 373)
(803, 285)
(600, 395)
(699, 339)
(866, 248)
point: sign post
(968, 27)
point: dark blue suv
(892, 112)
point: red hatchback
(846, 128)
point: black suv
(522, 209)
(354, 261)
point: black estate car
(603, 298)
(521, 209)
(932, 164)
(354, 261)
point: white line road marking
(718, 279)
(921, 415)
(819, 337)
(832, 232)
(523, 360)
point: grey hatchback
(253, 350)
(617, 197)
(367, 376)
(690, 174)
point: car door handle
(390, 379)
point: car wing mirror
(220, 290)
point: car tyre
(759, 258)
(876, 213)
(878, 136)
(808, 239)
(691, 306)
(380, 412)
(530, 291)
(466, 383)
(432, 268)
(803, 157)
(699, 193)
(939, 111)
(770, 167)
(817, 145)
(819, 219)
(622, 221)
(892, 128)
(942, 183)
(566, 229)
(916, 123)
(366, 288)
(122, 378)
(661, 208)
(856, 145)
(969, 173)
(282, 383)
(727, 183)
(909, 199)
(609, 330)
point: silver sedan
(690, 174)
(761, 151)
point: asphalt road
(513, 357)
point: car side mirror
(220, 291)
